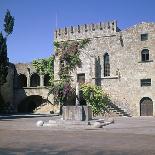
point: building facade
(121, 61)
(26, 91)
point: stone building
(26, 91)
(121, 61)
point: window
(145, 55)
(46, 80)
(35, 80)
(106, 65)
(144, 37)
(145, 82)
(81, 78)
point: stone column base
(77, 113)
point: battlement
(86, 31)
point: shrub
(95, 97)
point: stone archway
(46, 80)
(22, 81)
(30, 103)
(34, 80)
(146, 107)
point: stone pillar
(28, 77)
(93, 70)
(77, 94)
(56, 68)
(41, 80)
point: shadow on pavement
(50, 151)
(23, 115)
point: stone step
(117, 110)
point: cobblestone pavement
(19, 135)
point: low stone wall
(77, 113)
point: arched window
(35, 80)
(145, 55)
(106, 65)
(22, 81)
(46, 80)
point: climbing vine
(45, 66)
(68, 53)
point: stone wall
(21, 94)
(14, 95)
(126, 68)
(26, 69)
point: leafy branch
(95, 96)
(45, 66)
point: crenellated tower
(86, 31)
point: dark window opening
(106, 65)
(145, 82)
(144, 37)
(98, 71)
(22, 81)
(81, 78)
(46, 80)
(145, 55)
(35, 80)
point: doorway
(146, 107)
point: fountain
(77, 112)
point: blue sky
(35, 21)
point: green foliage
(95, 96)
(8, 27)
(45, 66)
(3, 60)
(68, 53)
(8, 23)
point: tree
(8, 23)
(3, 60)
(8, 28)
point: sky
(35, 21)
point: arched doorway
(146, 107)
(46, 80)
(22, 81)
(30, 103)
(35, 80)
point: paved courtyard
(127, 136)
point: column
(41, 80)
(28, 77)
